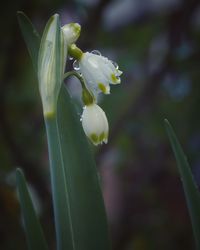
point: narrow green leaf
(33, 230)
(190, 188)
(31, 37)
(78, 204)
(85, 202)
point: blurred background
(157, 45)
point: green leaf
(31, 37)
(79, 209)
(191, 191)
(86, 204)
(33, 230)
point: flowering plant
(80, 220)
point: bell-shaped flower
(95, 124)
(71, 32)
(98, 72)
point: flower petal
(95, 124)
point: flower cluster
(97, 73)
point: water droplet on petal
(96, 52)
(76, 65)
(115, 65)
(71, 58)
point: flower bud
(71, 32)
(95, 124)
(51, 64)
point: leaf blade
(31, 37)
(33, 230)
(88, 218)
(191, 191)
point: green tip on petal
(95, 139)
(115, 79)
(103, 88)
(104, 137)
(101, 137)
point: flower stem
(75, 52)
(87, 96)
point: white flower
(99, 72)
(71, 32)
(95, 124)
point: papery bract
(51, 64)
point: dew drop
(71, 58)
(81, 119)
(76, 65)
(115, 65)
(96, 52)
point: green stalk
(61, 204)
(87, 97)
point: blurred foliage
(156, 44)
